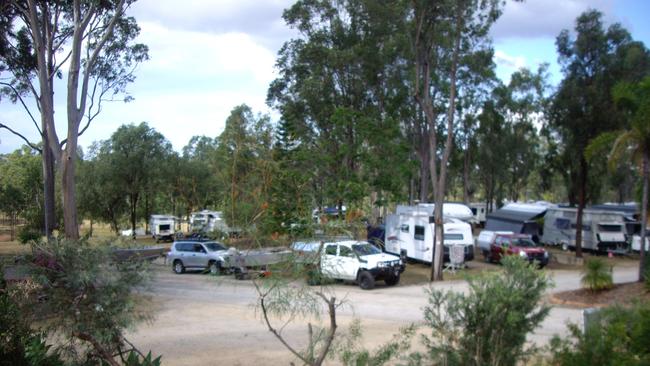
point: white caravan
(479, 211)
(207, 221)
(601, 230)
(162, 227)
(409, 232)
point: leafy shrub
(596, 275)
(19, 344)
(487, 326)
(91, 298)
(29, 235)
(620, 337)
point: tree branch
(20, 98)
(2, 125)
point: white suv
(206, 255)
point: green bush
(620, 337)
(19, 343)
(488, 325)
(29, 235)
(596, 275)
(90, 297)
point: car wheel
(366, 280)
(178, 267)
(215, 268)
(392, 280)
(486, 256)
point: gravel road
(205, 320)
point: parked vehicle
(207, 221)
(517, 244)
(520, 218)
(601, 230)
(162, 227)
(194, 254)
(486, 238)
(479, 212)
(410, 232)
(351, 260)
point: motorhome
(601, 230)
(410, 231)
(207, 221)
(162, 227)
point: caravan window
(404, 228)
(610, 228)
(562, 223)
(449, 236)
(419, 233)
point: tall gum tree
(443, 34)
(592, 62)
(88, 43)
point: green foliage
(596, 275)
(134, 359)
(19, 343)
(90, 296)
(620, 337)
(349, 352)
(29, 235)
(487, 326)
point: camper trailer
(207, 221)
(601, 230)
(162, 227)
(410, 231)
(519, 218)
(479, 211)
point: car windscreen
(523, 242)
(365, 249)
(213, 247)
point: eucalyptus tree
(135, 156)
(245, 166)
(592, 62)
(444, 33)
(341, 91)
(90, 44)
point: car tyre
(215, 268)
(178, 267)
(392, 280)
(366, 280)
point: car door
(329, 263)
(348, 263)
(198, 257)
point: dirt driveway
(203, 320)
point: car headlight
(381, 264)
(523, 254)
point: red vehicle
(517, 244)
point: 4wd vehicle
(353, 260)
(517, 244)
(207, 255)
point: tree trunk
(134, 209)
(466, 161)
(48, 187)
(70, 221)
(644, 218)
(582, 195)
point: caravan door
(422, 241)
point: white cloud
(543, 18)
(509, 61)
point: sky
(209, 56)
